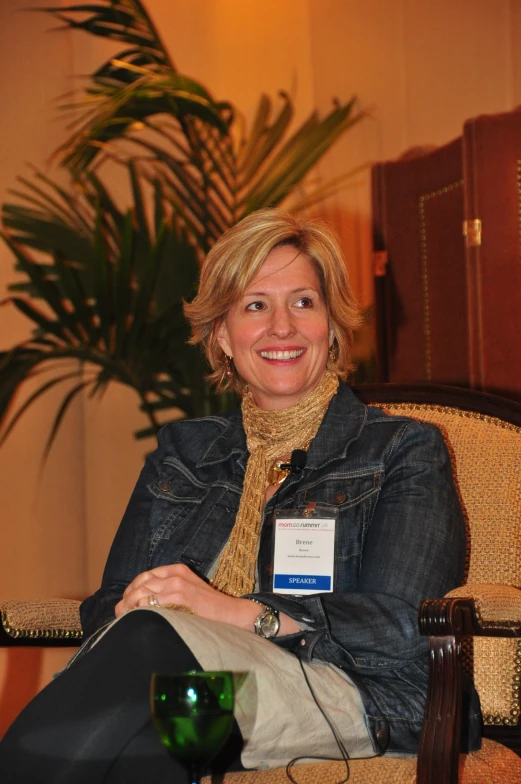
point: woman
(204, 541)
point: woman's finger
(137, 581)
(163, 572)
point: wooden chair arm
(495, 607)
(40, 622)
(446, 621)
(478, 615)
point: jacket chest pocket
(351, 497)
(187, 515)
(179, 496)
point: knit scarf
(269, 435)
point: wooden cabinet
(447, 240)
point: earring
(332, 353)
(228, 370)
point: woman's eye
(257, 305)
(305, 302)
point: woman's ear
(223, 338)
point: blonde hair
(235, 260)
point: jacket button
(340, 498)
(165, 486)
(302, 642)
(382, 737)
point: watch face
(268, 623)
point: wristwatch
(267, 623)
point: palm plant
(112, 282)
(110, 297)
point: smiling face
(278, 332)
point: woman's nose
(281, 323)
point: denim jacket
(400, 539)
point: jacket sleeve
(414, 549)
(128, 553)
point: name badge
(304, 554)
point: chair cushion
(493, 764)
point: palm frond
(114, 112)
(117, 311)
(119, 20)
(136, 84)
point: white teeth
(282, 354)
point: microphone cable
(296, 465)
(339, 742)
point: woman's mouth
(284, 355)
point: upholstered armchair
(476, 627)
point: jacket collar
(342, 424)
(231, 440)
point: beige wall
(421, 67)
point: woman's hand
(178, 584)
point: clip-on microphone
(297, 462)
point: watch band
(257, 601)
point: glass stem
(196, 772)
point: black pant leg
(92, 724)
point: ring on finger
(152, 601)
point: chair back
(485, 449)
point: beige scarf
(269, 435)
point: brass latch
(472, 232)
(380, 259)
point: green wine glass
(193, 714)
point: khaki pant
(274, 708)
